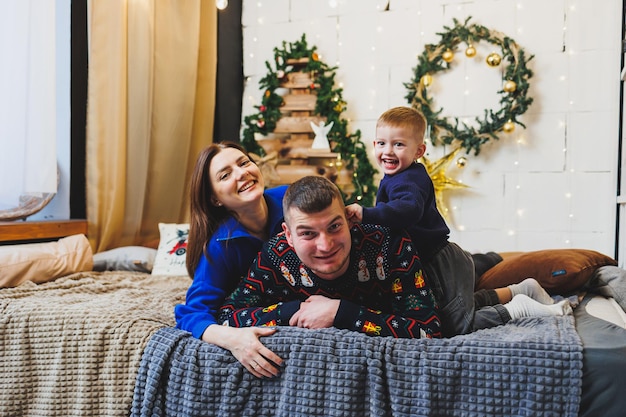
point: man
(323, 273)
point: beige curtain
(151, 99)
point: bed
(103, 343)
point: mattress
(601, 324)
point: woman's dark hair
(205, 217)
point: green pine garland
(514, 95)
(330, 104)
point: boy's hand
(354, 213)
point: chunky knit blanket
(530, 367)
(72, 347)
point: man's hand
(317, 312)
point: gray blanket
(530, 367)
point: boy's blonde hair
(406, 117)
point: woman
(232, 215)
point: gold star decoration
(441, 182)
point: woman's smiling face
(235, 179)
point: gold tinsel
(437, 172)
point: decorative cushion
(559, 271)
(171, 253)
(125, 258)
(42, 262)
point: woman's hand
(245, 346)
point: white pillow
(172, 250)
(125, 258)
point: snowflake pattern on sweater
(383, 293)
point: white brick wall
(552, 185)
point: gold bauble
(448, 55)
(470, 51)
(508, 127)
(509, 86)
(493, 59)
(426, 80)
(461, 162)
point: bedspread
(72, 347)
(529, 367)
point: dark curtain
(621, 143)
(229, 92)
(78, 108)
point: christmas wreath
(329, 104)
(514, 94)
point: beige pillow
(42, 262)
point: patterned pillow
(172, 250)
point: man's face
(321, 240)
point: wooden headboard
(24, 231)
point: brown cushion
(559, 271)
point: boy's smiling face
(396, 148)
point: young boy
(406, 199)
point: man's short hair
(310, 194)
